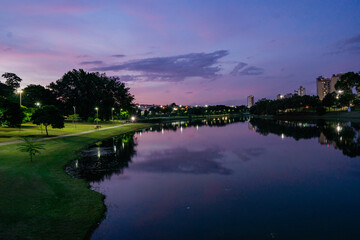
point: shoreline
(43, 201)
(330, 116)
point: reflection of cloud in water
(181, 160)
(248, 153)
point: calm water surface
(258, 180)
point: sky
(187, 52)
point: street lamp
(97, 115)
(19, 91)
(74, 116)
(38, 104)
(112, 114)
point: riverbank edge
(189, 117)
(23, 210)
(331, 116)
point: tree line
(77, 91)
(344, 97)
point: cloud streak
(92, 63)
(174, 68)
(248, 71)
(118, 55)
(349, 45)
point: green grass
(39, 200)
(31, 130)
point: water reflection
(112, 156)
(341, 135)
(181, 160)
(104, 158)
(215, 182)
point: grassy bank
(39, 200)
(31, 130)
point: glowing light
(133, 118)
(338, 128)
(98, 152)
(181, 129)
(282, 136)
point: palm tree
(31, 147)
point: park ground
(39, 200)
(30, 130)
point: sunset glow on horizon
(188, 52)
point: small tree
(31, 147)
(329, 100)
(48, 115)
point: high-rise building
(250, 101)
(301, 91)
(326, 85)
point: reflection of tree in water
(343, 136)
(112, 156)
(210, 122)
(296, 130)
(104, 159)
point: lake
(228, 178)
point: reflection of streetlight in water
(98, 152)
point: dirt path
(68, 135)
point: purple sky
(188, 52)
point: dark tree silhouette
(86, 91)
(48, 115)
(12, 80)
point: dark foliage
(86, 91)
(37, 93)
(10, 113)
(48, 115)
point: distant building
(326, 85)
(288, 95)
(301, 91)
(250, 101)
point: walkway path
(68, 135)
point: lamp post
(38, 104)
(74, 116)
(112, 114)
(19, 91)
(97, 115)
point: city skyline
(189, 52)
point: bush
(90, 119)
(320, 110)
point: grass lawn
(39, 200)
(31, 130)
